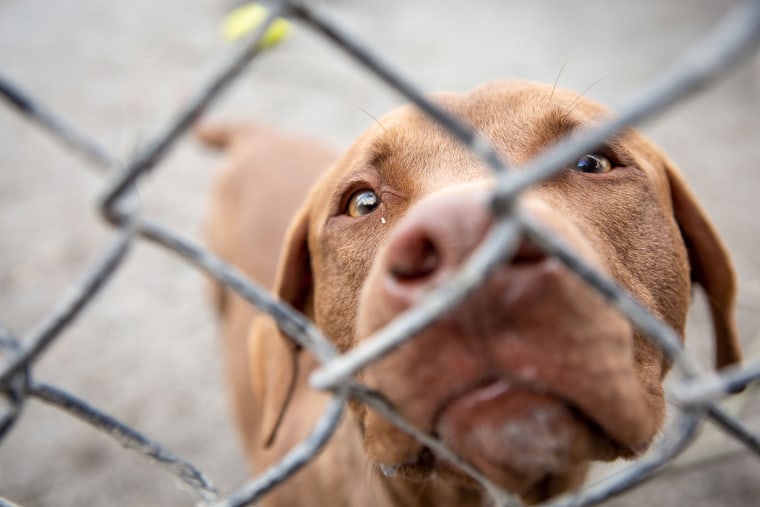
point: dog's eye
(362, 203)
(596, 164)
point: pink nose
(438, 234)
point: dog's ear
(293, 282)
(711, 266)
(293, 285)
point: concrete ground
(145, 351)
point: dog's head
(533, 375)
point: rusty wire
(695, 391)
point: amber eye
(362, 203)
(596, 164)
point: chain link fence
(695, 391)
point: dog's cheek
(336, 289)
(638, 241)
(341, 263)
(375, 309)
(651, 368)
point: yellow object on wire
(244, 19)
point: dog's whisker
(373, 117)
(581, 96)
(556, 81)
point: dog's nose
(419, 259)
(440, 232)
(437, 235)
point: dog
(533, 376)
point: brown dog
(533, 376)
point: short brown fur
(553, 353)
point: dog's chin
(515, 436)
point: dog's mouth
(517, 435)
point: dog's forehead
(518, 118)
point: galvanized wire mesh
(695, 391)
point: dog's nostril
(528, 253)
(419, 259)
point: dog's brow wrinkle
(560, 123)
(380, 151)
(557, 121)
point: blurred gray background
(146, 350)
